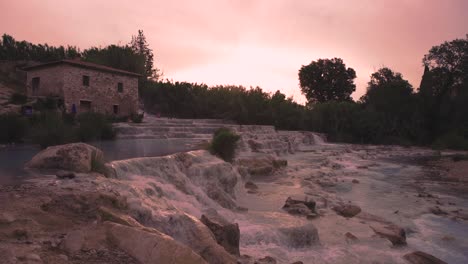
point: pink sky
(251, 43)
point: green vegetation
(97, 165)
(94, 126)
(327, 80)
(52, 128)
(18, 99)
(137, 118)
(49, 129)
(10, 49)
(245, 106)
(224, 144)
(13, 128)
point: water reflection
(13, 158)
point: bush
(94, 126)
(51, 130)
(224, 144)
(97, 165)
(47, 104)
(19, 99)
(13, 128)
(137, 118)
(451, 140)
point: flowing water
(171, 192)
(388, 189)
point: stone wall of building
(102, 91)
(51, 81)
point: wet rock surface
(251, 187)
(75, 157)
(393, 233)
(162, 199)
(61, 174)
(301, 236)
(347, 210)
(227, 234)
(150, 246)
(419, 257)
(297, 206)
(266, 260)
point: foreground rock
(301, 236)
(75, 157)
(393, 233)
(227, 234)
(297, 206)
(251, 187)
(266, 260)
(65, 175)
(419, 257)
(261, 166)
(347, 210)
(150, 246)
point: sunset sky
(251, 43)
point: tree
(120, 57)
(444, 88)
(141, 47)
(386, 88)
(390, 95)
(327, 80)
(10, 49)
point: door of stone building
(36, 82)
(85, 106)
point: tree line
(136, 56)
(392, 111)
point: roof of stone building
(82, 64)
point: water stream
(388, 188)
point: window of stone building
(36, 82)
(120, 87)
(85, 106)
(85, 80)
(116, 109)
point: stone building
(85, 86)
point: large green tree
(327, 80)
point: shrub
(18, 98)
(224, 144)
(451, 140)
(13, 128)
(137, 118)
(97, 165)
(50, 130)
(94, 126)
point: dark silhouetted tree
(10, 49)
(392, 97)
(120, 57)
(386, 89)
(327, 80)
(444, 88)
(140, 46)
